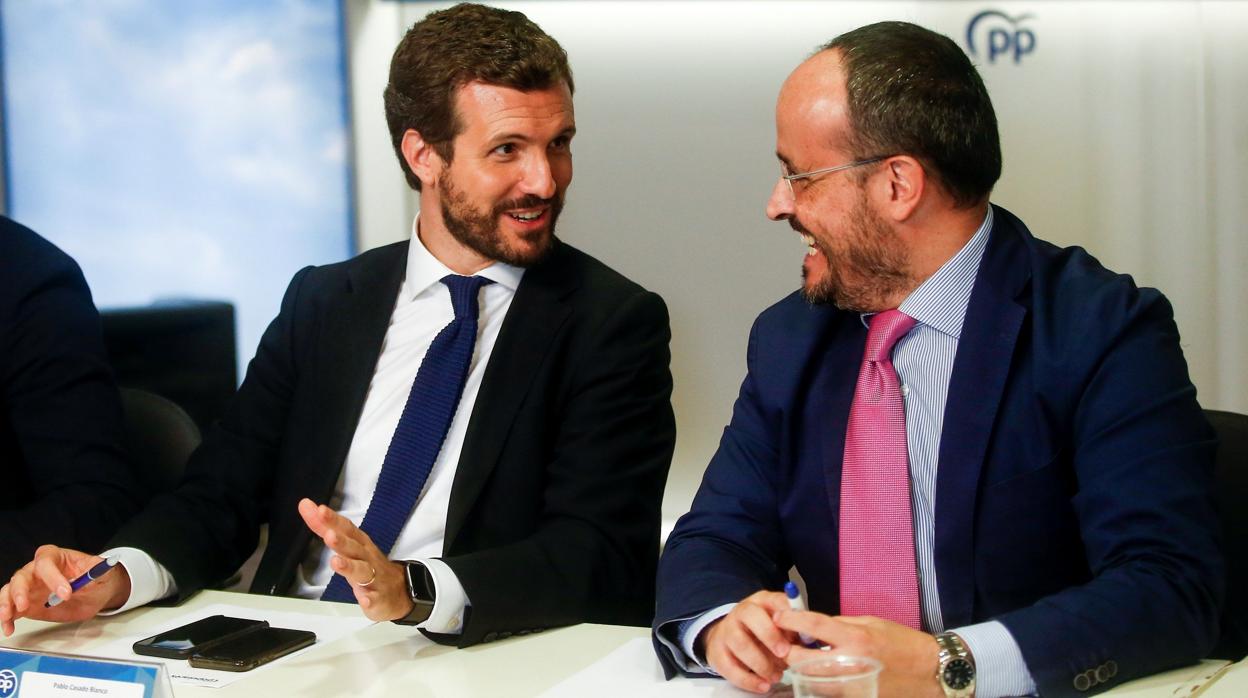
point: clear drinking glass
(836, 676)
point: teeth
(527, 216)
(809, 241)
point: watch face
(419, 583)
(418, 588)
(958, 674)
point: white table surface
(382, 659)
(387, 659)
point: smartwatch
(956, 669)
(421, 590)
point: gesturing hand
(379, 584)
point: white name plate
(25, 674)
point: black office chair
(1231, 469)
(182, 350)
(159, 436)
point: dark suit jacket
(65, 479)
(554, 510)
(1073, 498)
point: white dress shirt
(422, 309)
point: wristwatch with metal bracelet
(956, 670)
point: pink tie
(878, 575)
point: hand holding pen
(797, 604)
(55, 576)
(86, 578)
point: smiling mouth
(527, 216)
(809, 241)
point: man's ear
(421, 157)
(905, 182)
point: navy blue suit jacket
(65, 478)
(1073, 496)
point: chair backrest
(182, 350)
(159, 437)
(1231, 469)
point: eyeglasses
(788, 178)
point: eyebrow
(513, 136)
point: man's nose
(780, 204)
(538, 180)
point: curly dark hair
(451, 48)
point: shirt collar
(940, 302)
(424, 270)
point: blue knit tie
(422, 427)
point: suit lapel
(833, 396)
(355, 327)
(537, 313)
(985, 350)
(351, 327)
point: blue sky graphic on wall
(181, 149)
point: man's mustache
(530, 201)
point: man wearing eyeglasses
(981, 453)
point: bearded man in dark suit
(547, 468)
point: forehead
(486, 110)
(812, 112)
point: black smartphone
(250, 650)
(184, 641)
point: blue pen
(91, 575)
(796, 603)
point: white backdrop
(1123, 130)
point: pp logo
(1001, 34)
(8, 683)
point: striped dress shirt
(924, 362)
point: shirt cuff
(999, 666)
(679, 636)
(149, 580)
(449, 599)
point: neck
(931, 239)
(940, 236)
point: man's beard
(870, 266)
(479, 231)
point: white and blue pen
(796, 603)
(90, 576)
